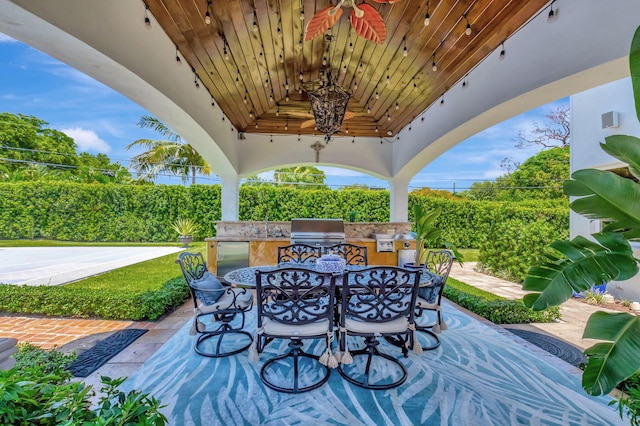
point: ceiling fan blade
(308, 123)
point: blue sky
(102, 120)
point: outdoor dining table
(246, 277)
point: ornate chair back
(351, 253)
(295, 304)
(299, 253)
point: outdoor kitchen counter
(264, 251)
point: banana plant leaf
(624, 148)
(607, 196)
(583, 264)
(616, 359)
(634, 66)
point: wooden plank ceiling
(253, 59)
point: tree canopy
(301, 177)
(29, 150)
(538, 178)
(171, 155)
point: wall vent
(609, 119)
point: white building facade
(595, 114)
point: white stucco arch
(585, 46)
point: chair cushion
(243, 300)
(430, 292)
(424, 304)
(398, 325)
(208, 289)
(275, 328)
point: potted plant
(185, 229)
(426, 235)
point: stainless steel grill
(317, 232)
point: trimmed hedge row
(501, 311)
(84, 212)
(79, 302)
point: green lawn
(54, 243)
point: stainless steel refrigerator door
(232, 255)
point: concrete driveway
(61, 265)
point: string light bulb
(147, 21)
(502, 52)
(467, 30)
(207, 16)
(255, 23)
(552, 13)
(434, 67)
(427, 18)
(397, 105)
(178, 60)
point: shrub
(121, 304)
(511, 247)
(500, 311)
(42, 394)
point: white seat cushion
(275, 328)
(422, 303)
(398, 325)
(243, 300)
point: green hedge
(501, 311)
(510, 247)
(84, 212)
(120, 304)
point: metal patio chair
(429, 298)
(378, 301)
(223, 304)
(295, 304)
(351, 253)
(299, 253)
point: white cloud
(87, 140)
(6, 39)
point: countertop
(285, 239)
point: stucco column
(399, 208)
(230, 197)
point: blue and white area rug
(478, 376)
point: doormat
(92, 359)
(553, 345)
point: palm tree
(170, 155)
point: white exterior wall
(587, 134)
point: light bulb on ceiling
(427, 18)
(467, 30)
(377, 95)
(434, 67)
(368, 109)
(178, 56)
(147, 21)
(502, 52)
(266, 83)
(255, 23)
(397, 106)
(278, 112)
(207, 18)
(286, 96)
(552, 13)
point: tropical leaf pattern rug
(478, 376)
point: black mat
(553, 345)
(92, 359)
